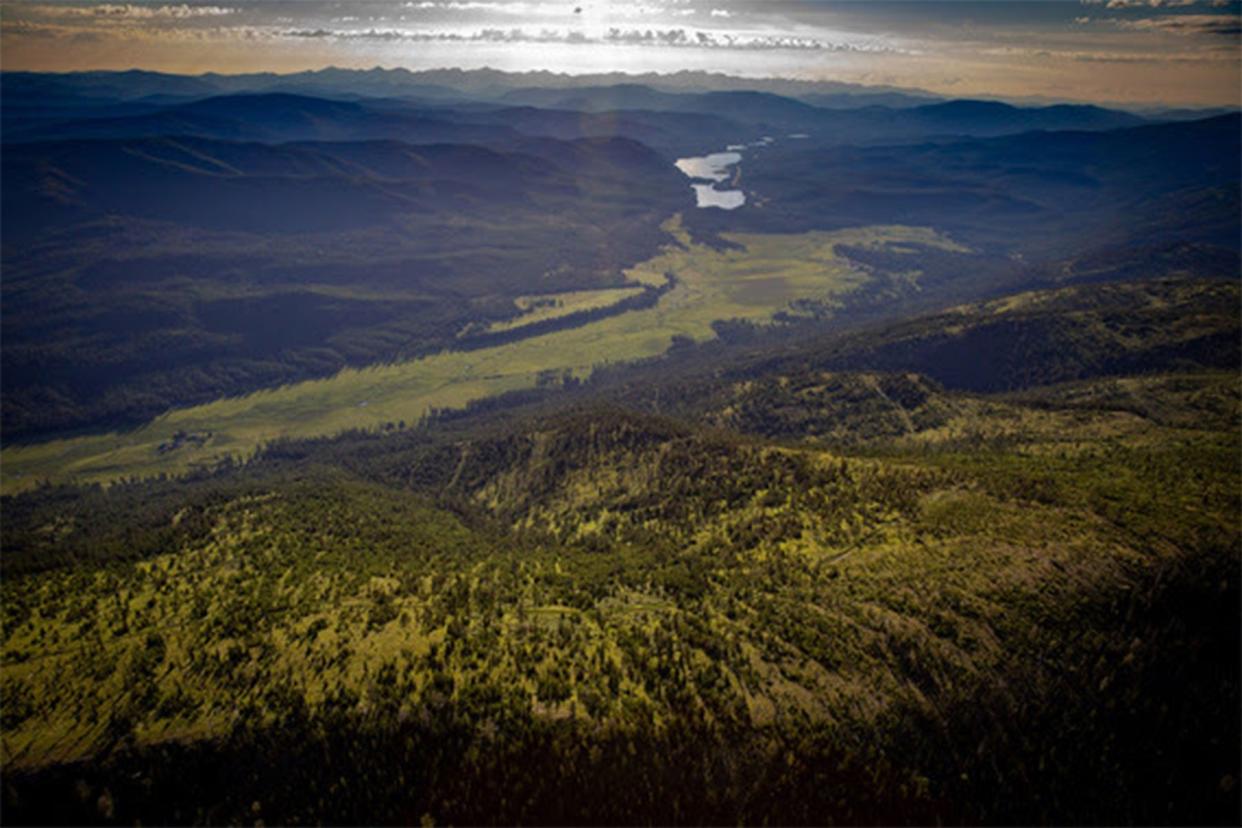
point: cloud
(135, 32)
(1154, 4)
(715, 40)
(1222, 25)
(615, 36)
(133, 11)
(1198, 57)
(1146, 4)
(721, 13)
(519, 8)
(528, 9)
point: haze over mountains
(98, 166)
(108, 99)
(482, 84)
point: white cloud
(616, 36)
(1143, 4)
(528, 9)
(1154, 4)
(521, 8)
(133, 11)
(1225, 25)
(1105, 56)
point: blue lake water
(713, 168)
(708, 196)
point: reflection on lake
(708, 196)
(714, 168)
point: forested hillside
(142, 274)
(813, 597)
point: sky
(1138, 52)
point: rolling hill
(1042, 194)
(861, 124)
(449, 621)
(378, 249)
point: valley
(759, 277)
(463, 446)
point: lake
(713, 168)
(708, 196)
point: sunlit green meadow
(541, 307)
(750, 284)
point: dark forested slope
(145, 273)
(690, 625)
(1038, 193)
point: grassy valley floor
(762, 276)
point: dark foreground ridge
(813, 596)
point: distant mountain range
(152, 222)
(482, 84)
(478, 84)
(280, 117)
(1037, 192)
(295, 187)
(258, 160)
(673, 123)
(869, 122)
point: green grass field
(751, 284)
(544, 306)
